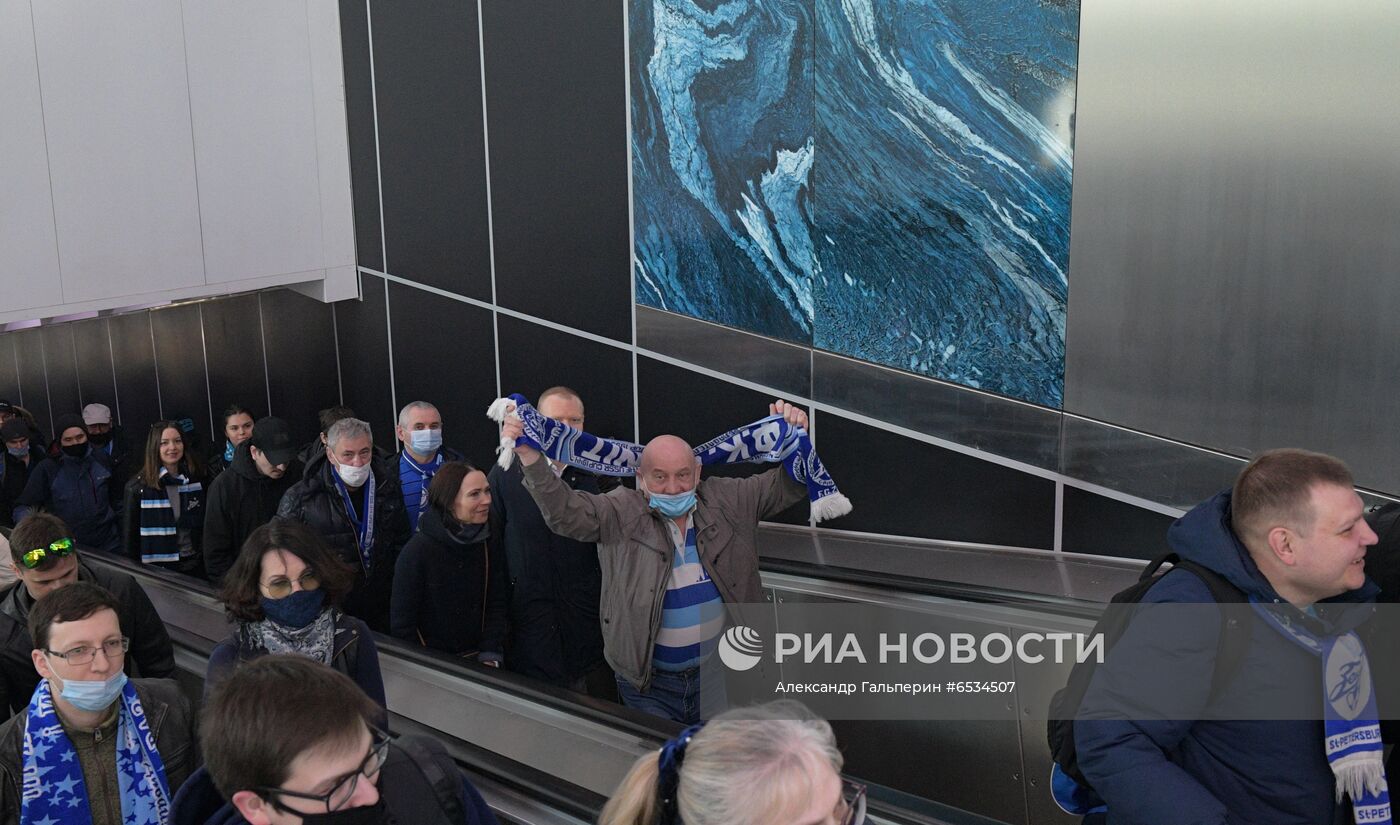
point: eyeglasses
(851, 810)
(281, 587)
(83, 654)
(37, 556)
(345, 788)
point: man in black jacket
(246, 497)
(151, 655)
(351, 498)
(21, 458)
(555, 582)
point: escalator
(546, 755)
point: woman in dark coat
(163, 520)
(450, 579)
(285, 592)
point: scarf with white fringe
(768, 440)
(1351, 726)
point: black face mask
(376, 814)
(100, 439)
(75, 450)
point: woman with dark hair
(285, 591)
(450, 579)
(163, 520)
(238, 428)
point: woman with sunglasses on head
(748, 766)
(163, 520)
(285, 591)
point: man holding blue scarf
(1246, 746)
(675, 554)
(93, 746)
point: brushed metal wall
(1234, 257)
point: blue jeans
(677, 695)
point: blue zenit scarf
(53, 790)
(1350, 719)
(768, 440)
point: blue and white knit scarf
(53, 791)
(159, 524)
(1350, 719)
(768, 440)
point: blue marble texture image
(943, 181)
(885, 179)
(722, 137)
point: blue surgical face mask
(18, 452)
(672, 506)
(425, 442)
(93, 695)
(297, 610)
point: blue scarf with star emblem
(53, 792)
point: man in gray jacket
(677, 554)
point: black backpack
(1064, 705)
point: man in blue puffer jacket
(1291, 532)
(78, 486)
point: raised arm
(567, 512)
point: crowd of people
(314, 548)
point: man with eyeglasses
(288, 740)
(44, 557)
(92, 746)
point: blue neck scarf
(364, 523)
(53, 791)
(228, 451)
(768, 440)
(1350, 719)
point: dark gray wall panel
(1233, 243)
(1104, 527)
(698, 408)
(135, 365)
(362, 334)
(427, 72)
(299, 335)
(180, 365)
(359, 122)
(30, 350)
(233, 352)
(444, 353)
(94, 354)
(61, 370)
(9, 374)
(558, 129)
(909, 488)
(535, 358)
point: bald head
(669, 466)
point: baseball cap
(274, 438)
(97, 414)
(14, 428)
(6, 407)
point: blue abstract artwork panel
(722, 150)
(943, 174)
(885, 179)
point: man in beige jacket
(678, 555)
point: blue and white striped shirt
(692, 614)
